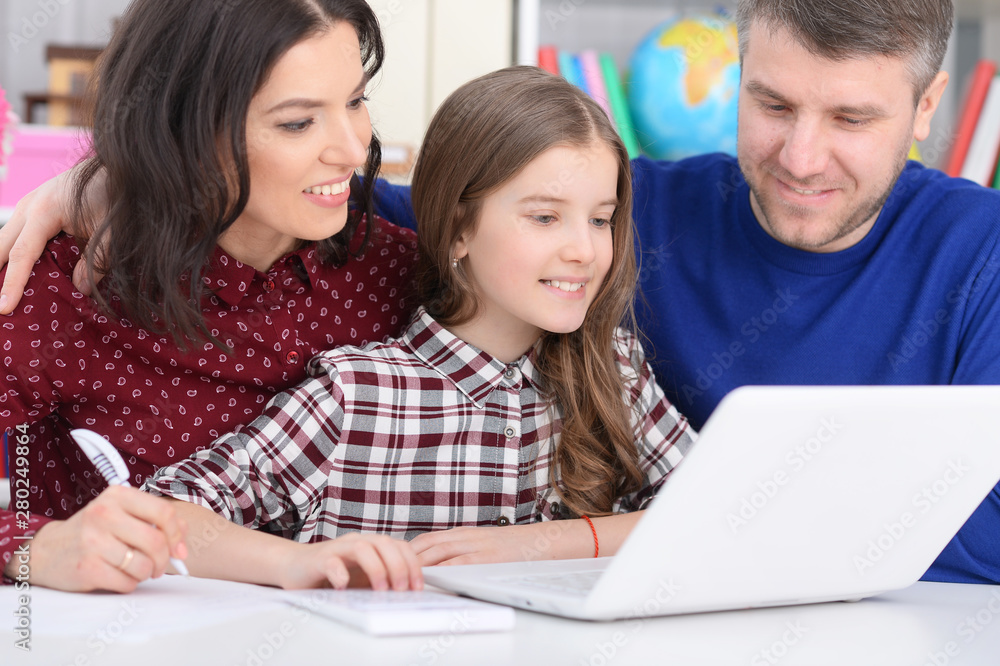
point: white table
(928, 624)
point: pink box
(39, 153)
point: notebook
(406, 613)
(791, 495)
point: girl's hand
(90, 550)
(355, 560)
(514, 543)
(547, 540)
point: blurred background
(435, 45)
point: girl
(228, 135)
(514, 398)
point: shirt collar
(474, 372)
(231, 279)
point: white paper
(158, 607)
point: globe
(682, 87)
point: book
(975, 97)
(7, 122)
(619, 107)
(548, 58)
(981, 161)
(591, 65)
(569, 67)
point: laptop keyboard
(577, 582)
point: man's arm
(393, 203)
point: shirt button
(292, 357)
(555, 509)
(509, 432)
(268, 286)
(509, 374)
(503, 521)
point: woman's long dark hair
(171, 98)
(483, 135)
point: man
(820, 256)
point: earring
(454, 263)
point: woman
(234, 259)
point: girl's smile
(541, 249)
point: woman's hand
(38, 217)
(354, 560)
(91, 550)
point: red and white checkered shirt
(420, 433)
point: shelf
(613, 27)
(617, 26)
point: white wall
(28, 26)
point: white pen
(109, 463)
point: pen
(109, 463)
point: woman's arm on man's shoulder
(39, 217)
(44, 212)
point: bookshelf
(616, 26)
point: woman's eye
(543, 219)
(600, 222)
(299, 126)
(357, 103)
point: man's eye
(855, 122)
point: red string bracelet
(597, 546)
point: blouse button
(268, 286)
(509, 432)
(292, 357)
(503, 521)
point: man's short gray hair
(915, 30)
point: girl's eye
(299, 126)
(543, 219)
(600, 222)
(357, 103)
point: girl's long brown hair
(172, 93)
(483, 135)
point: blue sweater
(723, 304)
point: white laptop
(791, 495)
